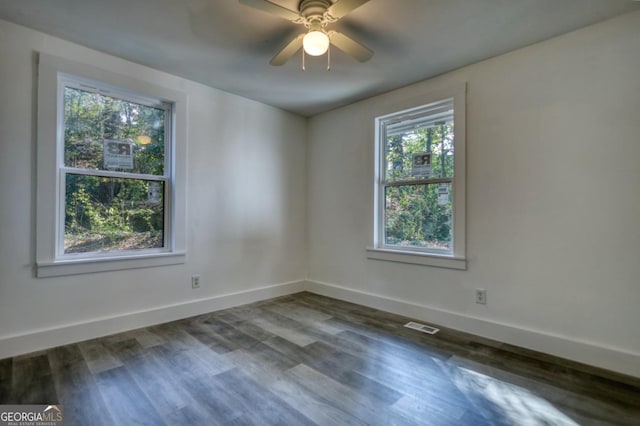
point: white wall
(246, 216)
(553, 201)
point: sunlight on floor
(515, 404)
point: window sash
(167, 224)
(383, 217)
(416, 182)
(68, 80)
(112, 174)
(390, 126)
(446, 110)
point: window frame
(456, 258)
(54, 74)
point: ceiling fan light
(315, 43)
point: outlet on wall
(195, 281)
(481, 296)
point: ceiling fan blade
(272, 8)
(288, 51)
(350, 46)
(342, 7)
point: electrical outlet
(481, 296)
(195, 281)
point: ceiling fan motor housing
(314, 10)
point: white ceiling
(226, 45)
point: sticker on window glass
(153, 195)
(443, 194)
(118, 154)
(421, 164)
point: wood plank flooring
(308, 359)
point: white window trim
(456, 259)
(416, 258)
(50, 206)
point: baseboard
(51, 337)
(613, 359)
(589, 353)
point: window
(115, 172)
(110, 172)
(420, 184)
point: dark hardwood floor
(308, 359)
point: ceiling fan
(315, 15)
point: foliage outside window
(115, 171)
(419, 195)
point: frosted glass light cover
(315, 43)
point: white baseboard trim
(71, 333)
(590, 353)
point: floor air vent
(421, 327)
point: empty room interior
(320, 212)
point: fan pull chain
(304, 68)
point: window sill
(104, 264)
(417, 258)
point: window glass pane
(422, 150)
(419, 216)
(109, 214)
(106, 133)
